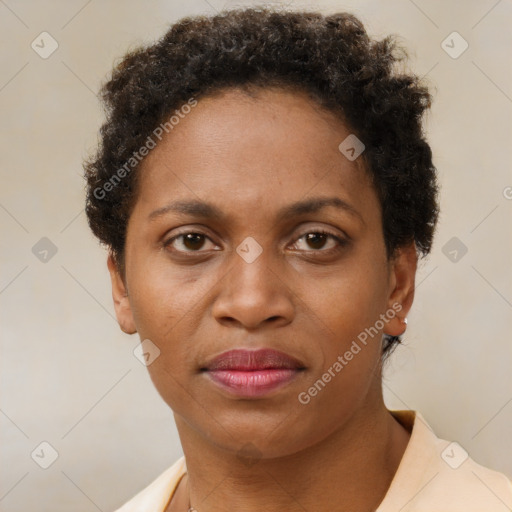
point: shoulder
(437, 474)
(156, 495)
(464, 484)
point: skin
(251, 155)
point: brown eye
(187, 242)
(317, 240)
(193, 241)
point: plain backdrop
(68, 374)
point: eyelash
(342, 242)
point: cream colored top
(434, 475)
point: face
(251, 230)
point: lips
(252, 373)
(253, 360)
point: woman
(265, 190)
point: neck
(350, 470)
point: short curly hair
(330, 57)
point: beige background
(68, 374)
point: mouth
(252, 373)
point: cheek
(344, 378)
(165, 311)
(164, 299)
(346, 306)
(349, 352)
(349, 300)
(169, 307)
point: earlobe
(403, 272)
(120, 296)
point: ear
(121, 300)
(401, 292)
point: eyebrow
(207, 210)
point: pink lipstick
(252, 373)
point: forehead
(262, 148)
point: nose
(254, 295)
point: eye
(313, 241)
(188, 242)
(316, 241)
